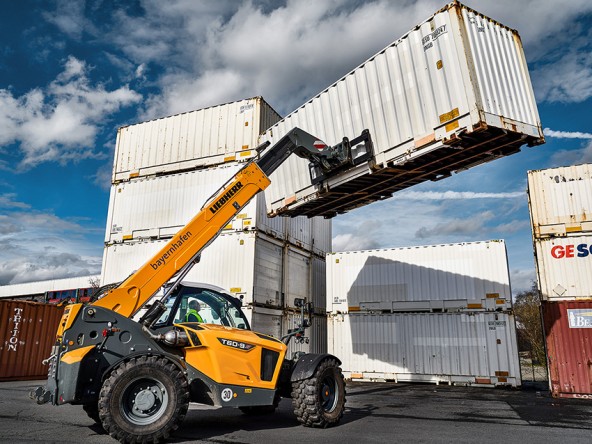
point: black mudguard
(307, 364)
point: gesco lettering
(567, 251)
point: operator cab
(215, 307)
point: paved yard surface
(376, 413)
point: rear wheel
(320, 400)
(143, 400)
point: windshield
(201, 305)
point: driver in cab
(192, 314)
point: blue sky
(72, 72)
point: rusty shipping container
(568, 331)
(27, 332)
(452, 93)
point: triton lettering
(226, 197)
(171, 250)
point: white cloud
(567, 134)
(572, 156)
(360, 235)
(522, 279)
(60, 122)
(455, 195)
(568, 79)
(7, 201)
(37, 245)
(287, 53)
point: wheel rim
(329, 394)
(144, 400)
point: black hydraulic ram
(325, 161)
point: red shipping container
(568, 329)
(27, 333)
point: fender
(307, 364)
(174, 359)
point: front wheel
(143, 400)
(320, 400)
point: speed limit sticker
(226, 395)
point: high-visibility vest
(193, 312)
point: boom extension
(219, 210)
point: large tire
(144, 400)
(320, 400)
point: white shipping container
(205, 137)
(40, 287)
(452, 277)
(262, 270)
(450, 94)
(453, 348)
(277, 323)
(560, 201)
(157, 207)
(564, 267)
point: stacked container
(439, 313)
(164, 172)
(560, 201)
(452, 93)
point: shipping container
(39, 288)
(157, 207)
(277, 323)
(264, 271)
(560, 201)
(196, 139)
(454, 348)
(564, 267)
(568, 331)
(452, 93)
(451, 277)
(27, 332)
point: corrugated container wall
(568, 330)
(560, 201)
(195, 139)
(157, 207)
(455, 348)
(27, 332)
(564, 267)
(262, 270)
(453, 277)
(277, 323)
(452, 93)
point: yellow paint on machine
(74, 356)
(68, 318)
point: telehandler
(134, 357)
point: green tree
(527, 308)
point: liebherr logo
(226, 197)
(236, 344)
